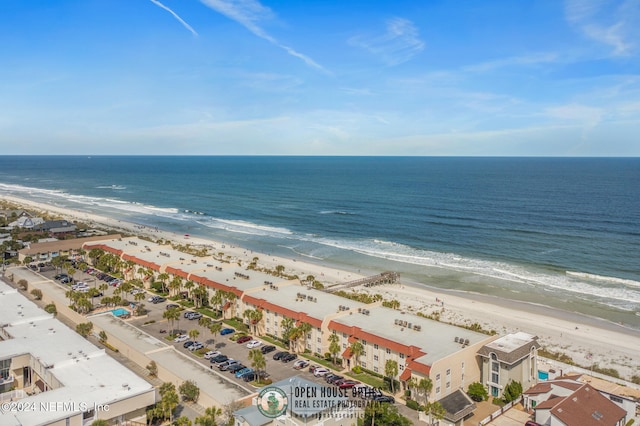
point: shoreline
(586, 339)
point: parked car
(267, 349)
(289, 357)
(226, 365)
(332, 378)
(66, 280)
(218, 358)
(235, 368)
(196, 346)
(347, 384)
(212, 354)
(312, 368)
(253, 344)
(300, 364)
(181, 338)
(244, 339)
(194, 316)
(226, 331)
(156, 299)
(320, 371)
(171, 306)
(187, 344)
(384, 398)
(244, 371)
(278, 356)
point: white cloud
(524, 60)
(175, 15)
(249, 13)
(398, 44)
(612, 23)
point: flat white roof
(435, 338)
(88, 375)
(511, 342)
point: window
(375, 357)
(375, 369)
(318, 349)
(344, 335)
(401, 367)
(364, 353)
(267, 320)
(319, 340)
(401, 356)
(364, 343)
(364, 364)
(615, 399)
(309, 336)
(388, 351)
(462, 367)
(438, 390)
(375, 346)
(344, 346)
(438, 377)
(268, 330)
(448, 385)
(448, 372)
(275, 323)
(495, 378)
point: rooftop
(88, 375)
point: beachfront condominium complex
(50, 375)
(451, 357)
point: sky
(320, 77)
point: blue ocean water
(563, 230)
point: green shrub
(413, 405)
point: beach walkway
(380, 279)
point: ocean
(563, 232)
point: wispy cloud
(524, 60)
(175, 15)
(249, 13)
(615, 24)
(398, 44)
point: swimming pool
(119, 312)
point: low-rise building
(44, 252)
(56, 377)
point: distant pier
(380, 279)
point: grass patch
(208, 312)
(558, 356)
(368, 379)
(186, 303)
(237, 324)
(323, 362)
(273, 341)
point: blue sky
(218, 77)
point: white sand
(585, 340)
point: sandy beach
(586, 340)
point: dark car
(333, 378)
(235, 367)
(346, 384)
(279, 355)
(267, 349)
(172, 305)
(288, 357)
(250, 377)
(244, 339)
(384, 398)
(225, 331)
(187, 344)
(218, 358)
(66, 280)
(228, 364)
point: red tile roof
(539, 388)
(142, 262)
(216, 285)
(585, 407)
(285, 312)
(347, 353)
(419, 367)
(406, 374)
(178, 272)
(358, 333)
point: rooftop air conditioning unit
(466, 342)
(457, 339)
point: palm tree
(304, 328)
(163, 277)
(209, 417)
(391, 371)
(356, 350)
(279, 269)
(254, 316)
(193, 334)
(334, 346)
(204, 322)
(172, 315)
(412, 384)
(435, 410)
(215, 328)
(424, 387)
(258, 362)
(175, 285)
(199, 295)
(189, 285)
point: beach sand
(585, 339)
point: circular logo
(272, 401)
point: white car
(181, 338)
(254, 344)
(212, 354)
(195, 346)
(319, 372)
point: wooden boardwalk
(383, 278)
